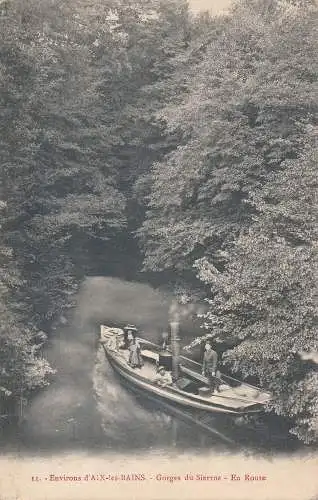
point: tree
(60, 191)
(246, 111)
(266, 300)
(22, 367)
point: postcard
(158, 291)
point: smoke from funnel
(182, 310)
(116, 302)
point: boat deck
(215, 397)
(236, 398)
(148, 372)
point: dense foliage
(249, 106)
(71, 83)
(235, 202)
(266, 300)
(127, 123)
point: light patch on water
(83, 401)
(123, 419)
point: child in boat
(163, 378)
(135, 359)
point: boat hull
(142, 386)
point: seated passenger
(163, 378)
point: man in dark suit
(210, 361)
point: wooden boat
(190, 390)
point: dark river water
(86, 406)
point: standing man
(210, 361)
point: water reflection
(129, 421)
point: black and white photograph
(158, 252)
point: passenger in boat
(210, 361)
(130, 338)
(135, 359)
(163, 378)
(130, 333)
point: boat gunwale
(173, 392)
(165, 393)
(189, 360)
(199, 366)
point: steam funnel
(175, 348)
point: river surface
(86, 407)
(86, 423)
